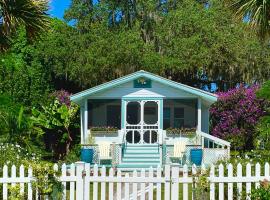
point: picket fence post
(135, 186)
(266, 170)
(221, 185)
(110, 184)
(248, 184)
(167, 182)
(175, 182)
(212, 184)
(230, 185)
(64, 174)
(29, 185)
(194, 180)
(239, 185)
(185, 185)
(21, 176)
(118, 185)
(158, 184)
(95, 184)
(103, 184)
(126, 188)
(150, 192)
(257, 174)
(72, 184)
(79, 183)
(5, 175)
(143, 185)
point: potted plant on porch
(88, 150)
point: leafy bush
(261, 193)
(74, 154)
(14, 154)
(263, 127)
(235, 115)
(57, 122)
(46, 180)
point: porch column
(82, 122)
(85, 121)
(199, 123)
(160, 113)
(123, 113)
(142, 120)
(160, 120)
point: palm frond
(29, 13)
(256, 11)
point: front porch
(143, 132)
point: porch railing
(210, 141)
(214, 148)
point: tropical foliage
(256, 13)
(263, 127)
(16, 125)
(30, 14)
(57, 120)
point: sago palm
(29, 13)
(257, 12)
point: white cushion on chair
(179, 148)
(104, 150)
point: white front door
(142, 121)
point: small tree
(263, 127)
(56, 120)
(235, 114)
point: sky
(58, 7)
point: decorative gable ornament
(142, 83)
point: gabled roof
(195, 91)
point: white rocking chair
(179, 151)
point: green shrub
(14, 154)
(261, 193)
(57, 122)
(74, 154)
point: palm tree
(28, 13)
(257, 13)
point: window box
(104, 130)
(181, 132)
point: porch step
(141, 151)
(138, 160)
(142, 147)
(140, 156)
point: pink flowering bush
(235, 114)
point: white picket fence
(84, 182)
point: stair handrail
(124, 142)
(213, 138)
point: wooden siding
(127, 90)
